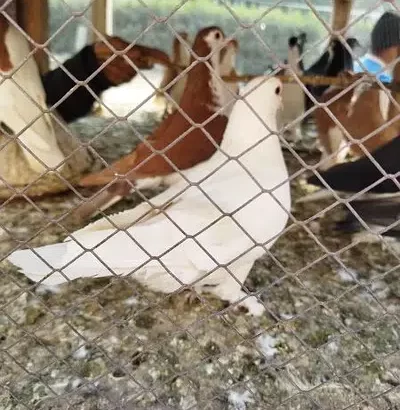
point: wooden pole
(102, 17)
(33, 17)
(341, 14)
(318, 80)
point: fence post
(102, 17)
(33, 17)
(341, 14)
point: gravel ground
(329, 338)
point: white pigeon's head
(264, 96)
(254, 115)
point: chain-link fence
(213, 277)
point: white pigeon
(22, 100)
(242, 201)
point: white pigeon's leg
(167, 111)
(148, 183)
(297, 134)
(231, 291)
(190, 296)
(290, 135)
(337, 147)
(326, 163)
(294, 134)
(343, 151)
(251, 303)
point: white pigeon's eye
(278, 90)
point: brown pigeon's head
(208, 42)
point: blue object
(373, 65)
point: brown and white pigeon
(178, 142)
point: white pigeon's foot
(254, 307)
(148, 183)
(294, 135)
(251, 303)
(326, 163)
(190, 297)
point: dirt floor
(329, 339)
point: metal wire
(241, 336)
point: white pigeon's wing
(23, 103)
(225, 191)
(143, 211)
(257, 225)
(206, 213)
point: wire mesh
(329, 333)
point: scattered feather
(239, 401)
(266, 344)
(347, 275)
(132, 301)
(82, 353)
(4, 235)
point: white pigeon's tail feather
(99, 254)
(34, 267)
(47, 263)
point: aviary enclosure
(328, 337)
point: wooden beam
(341, 14)
(33, 17)
(102, 17)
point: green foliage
(262, 33)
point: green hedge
(133, 21)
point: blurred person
(385, 46)
(87, 64)
(57, 83)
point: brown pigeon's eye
(217, 35)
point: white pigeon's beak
(279, 108)
(280, 97)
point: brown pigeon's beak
(234, 43)
(230, 44)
